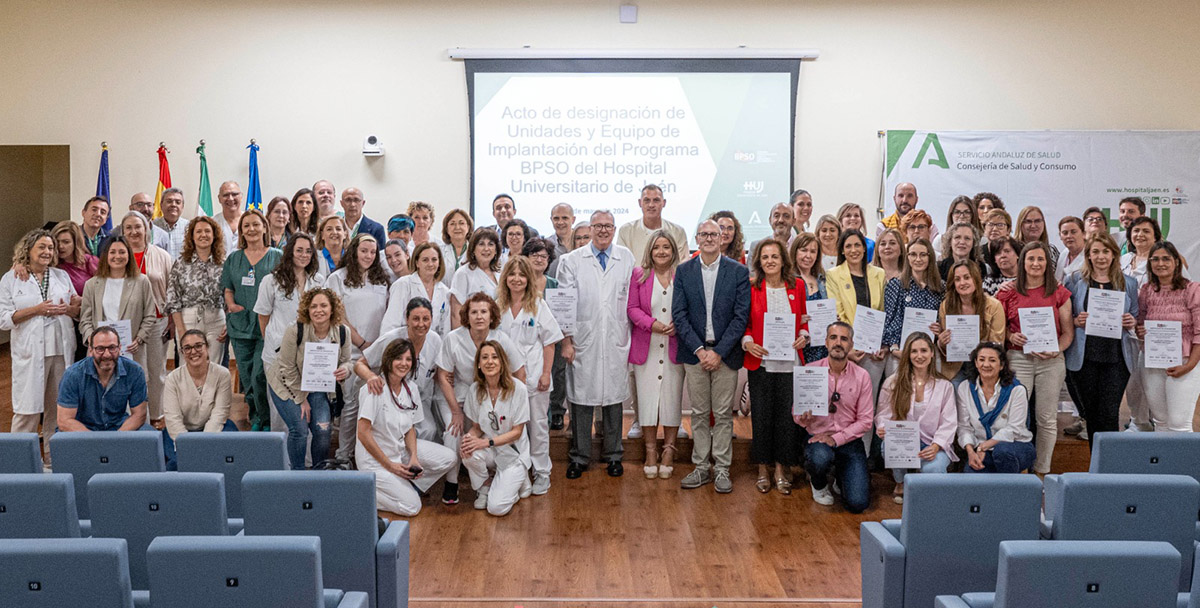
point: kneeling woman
(319, 320)
(496, 451)
(196, 396)
(918, 393)
(387, 436)
(992, 410)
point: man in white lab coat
(597, 350)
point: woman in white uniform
(362, 284)
(38, 312)
(526, 320)
(427, 345)
(657, 374)
(395, 258)
(496, 451)
(456, 233)
(424, 282)
(119, 292)
(279, 299)
(480, 319)
(479, 275)
(405, 466)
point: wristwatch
(491, 443)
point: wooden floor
(634, 542)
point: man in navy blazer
(352, 204)
(710, 308)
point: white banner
(1062, 172)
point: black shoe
(615, 469)
(556, 422)
(575, 470)
(450, 494)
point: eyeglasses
(539, 256)
(918, 227)
(106, 349)
(191, 348)
(1094, 219)
(708, 235)
(833, 401)
(957, 212)
(1033, 221)
(494, 420)
(994, 225)
(603, 227)
(727, 229)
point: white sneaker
(526, 487)
(822, 496)
(481, 498)
(635, 431)
(541, 484)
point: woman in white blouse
(362, 284)
(38, 311)
(119, 292)
(526, 320)
(992, 411)
(426, 346)
(479, 275)
(496, 451)
(196, 396)
(424, 282)
(405, 466)
(456, 232)
(279, 299)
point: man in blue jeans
(103, 392)
(834, 445)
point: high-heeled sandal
(665, 471)
(783, 485)
(763, 484)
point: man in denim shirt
(103, 392)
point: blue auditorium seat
(242, 572)
(1070, 573)
(86, 454)
(65, 572)
(19, 453)
(139, 507)
(232, 454)
(38, 506)
(338, 506)
(950, 524)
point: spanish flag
(164, 180)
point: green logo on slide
(897, 142)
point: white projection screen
(713, 133)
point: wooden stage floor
(639, 543)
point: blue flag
(102, 185)
(254, 196)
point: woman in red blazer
(652, 348)
(774, 290)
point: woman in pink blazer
(657, 374)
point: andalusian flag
(164, 180)
(204, 199)
(254, 196)
(102, 188)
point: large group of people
(426, 351)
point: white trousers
(1172, 401)
(506, 485)
(400, 496)
(152, 356)
(54, 367)
(452, 441)
(1138, 398)
(212, 323)
(539, 431)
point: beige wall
(310, 79)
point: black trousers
(1099, 387)
(776, 436)
(558, 377)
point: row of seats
(184, 572)
(952, 525)
(145, 508)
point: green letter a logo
(939, 159)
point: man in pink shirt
(834, 445)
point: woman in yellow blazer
(853, 282)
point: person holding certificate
(919, 286)
(1038, 312)
(1168, 296)
(774, 336)
(853, 283)
(119, 293)
(992, 410)
(834, 443)
(805, 253)
(320, 321)
(653, 352)
(1099, 366)
(918, 393)
(965, 296)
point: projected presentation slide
(711, 141)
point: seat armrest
(893, 526)
(882, 561)
(85, 528)
(355, 599)
(1046, 529)
(1182, 600)
(391, 566)
(141, 599)
(949, 601)
(236, 525)
(1052, 489)
(979, 600)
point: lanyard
(44, 284)
(404, 384)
